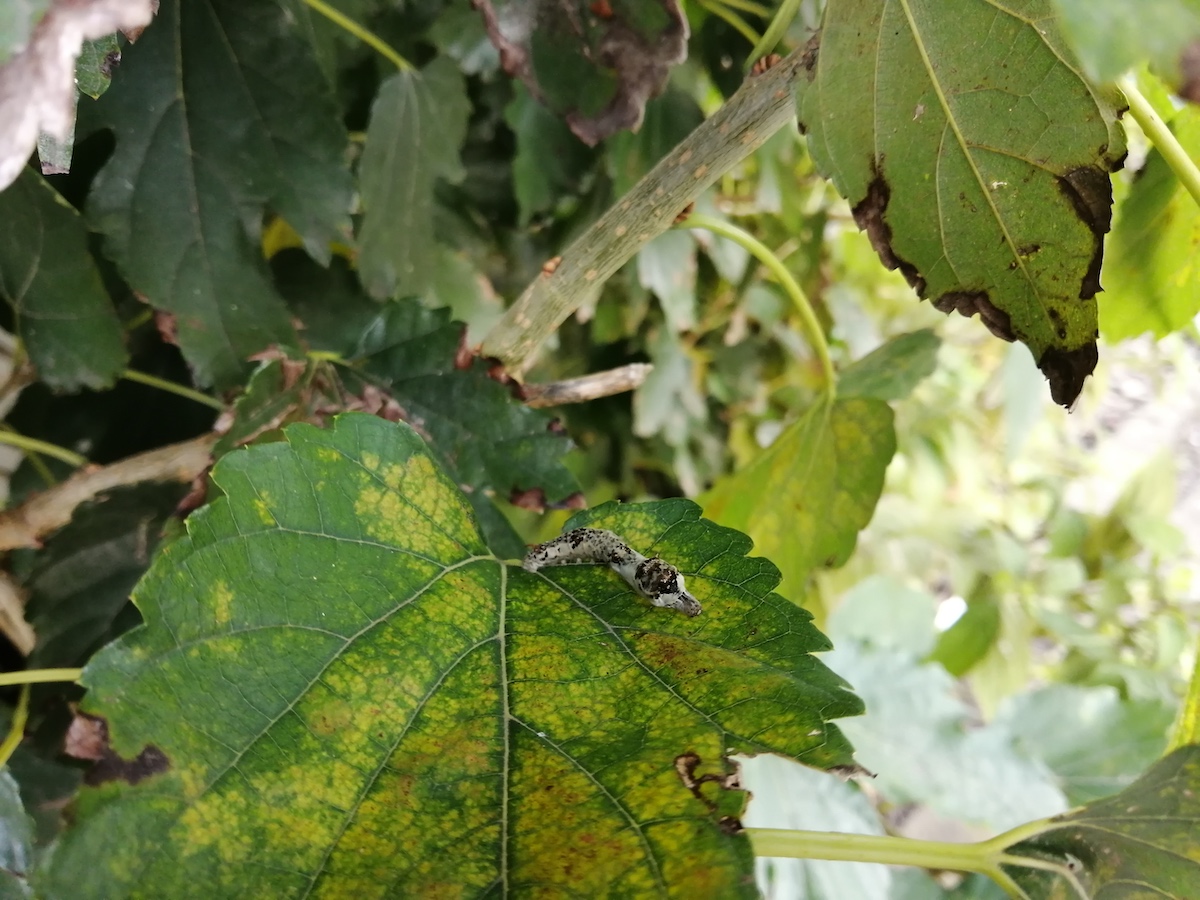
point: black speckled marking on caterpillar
(656, 580)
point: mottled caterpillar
(656, 580)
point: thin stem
(33, 445)
(16, 729)
(1046, 866)
(764, 104)
(748, 6)
(1160, 135)
(870, 848)
(173, 388)
(39, 676)
(1187, 725)
(775, 31)
(761, 252)
(363, 34)
(736, 22)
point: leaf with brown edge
(977, 159)
(353, 692)
(596, 64)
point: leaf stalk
(1161, 136)
(763, 253)
(173, 388)
(364, 34)
(33, 445)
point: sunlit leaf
(977, 160)
(418, 121)
(894, 369)
(338, 688)
(806, 497)
(1152, 274)
(181, 201)
(63, 314)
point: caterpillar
(655, 579)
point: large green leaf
(181, 201)
(1153, 268)
(80, 583)
(339, 691)
(63, 314)
(891, 371)
(806, 497)
(1140, 843)
(417, 123)
(977, 159)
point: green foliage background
(345, 684)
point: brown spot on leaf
(1066, 371)
(1089, 189)
(686, 765)
(87, 738)
(968, 303)
(870, 214)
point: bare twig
(12, 616)
(27, 524)
(588, 387)
(763, 105)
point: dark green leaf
(16, 841)
(181, 200)
(481, 434)
(1140, 843)
(890, 372)
(806, 497)
(1094, 741)
(344, 691)
(418, 121)
(80, 584)
(94, 68)
(487, 440)
(63, 315)
(977, 160)
(595, 65)
(550, 160)
(1112, 36)
(1153, 268)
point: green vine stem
(1161, 136)
(33, 445)
(775, 31)
(363, 34)
(764, 104)
(736, 22)
(173, 388)
(16, 728)
(761, 252)
(39, 676)
(985, 857)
